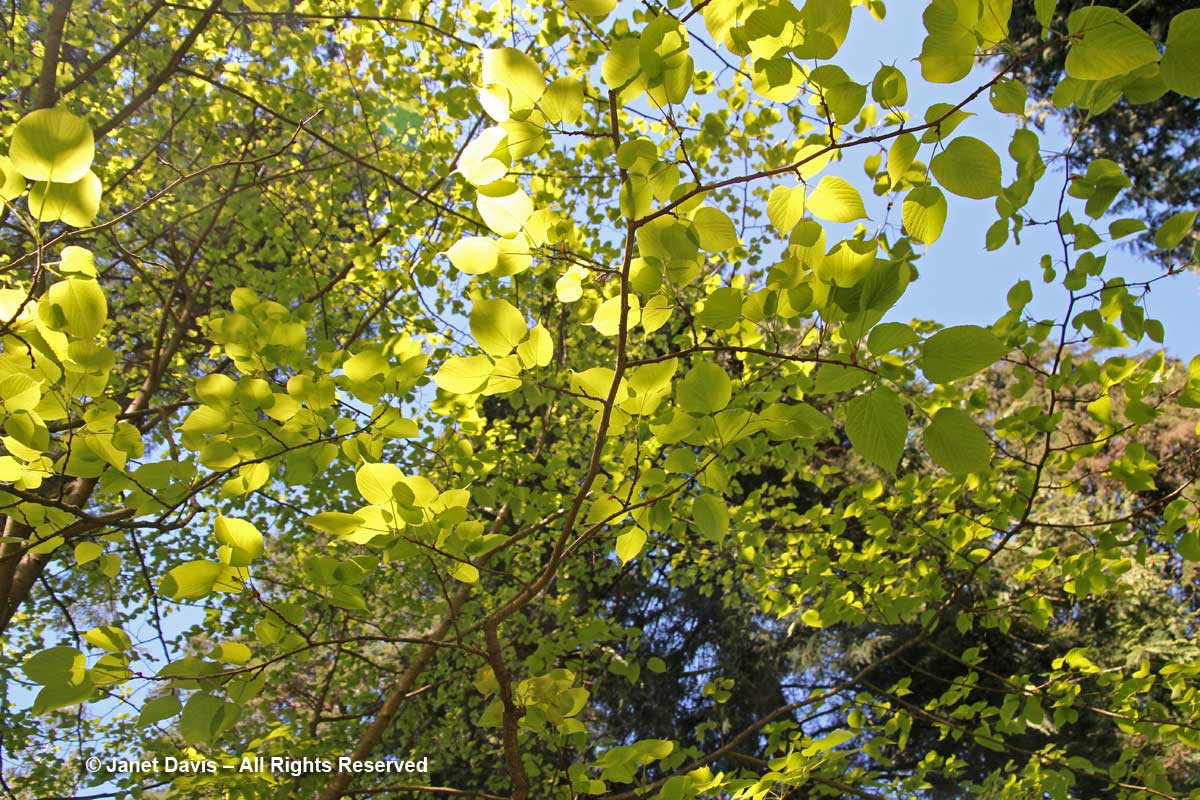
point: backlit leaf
(968, 167)
(877, 427)
(1107, 44)
(956, 443)
(959, 351)
(51, 144)
(497, 326)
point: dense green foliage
(514, 388)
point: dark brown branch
(165, 74)
(47, 93)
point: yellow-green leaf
(1106, 44)
(497, 326)
(968, 168)
(785, 207)
(924, 213)
(836, 200)
(51, 144)
(517, 73)
(244, 541)
(505, 214)
(108, 637)
(464, 374)
(76, 306)
(74, 203)
(629, 544)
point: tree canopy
(1153, 135)
(509, 401)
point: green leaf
(878, 426)
(1180, 67)
(1009, 96)
(848, 262)
(19, 392)
(948, 52)
(516, 74)
(1045, 11)
(158, 709)
(74, 203)
(596, 383)
(378, 483)
(485, 160)
(563, 100)
(61, 696)
(108, 637)
(944, 118)
(711, 516)
(924, 213)
(993, 22)
(1107, 44)
(968, 168)
(505, 214)
(537, 350)
(833, 378)
(204, 717)
(52, 145)
(785, 207)
(900, 156)
(607, 319)
(826, 743)
(56, 666)
(722, 309)
(497, 326)
(464, 375)
(365, 365)
(629, 544)
(1175, 230)
(244, 541)
(110, 669)
(836, 200)
(956, 443)
(959, 351)
(464, 572)
(597, 9)
(474, 255)
(336, 522)
(77, 261)
(705, 389)
(715, 229)
(1119, 229)
(888, 336)
(1189, 545)
(825, 24)
(889, 87)
(231, 653)
(76, 306)
(12, 183)
(191, 581)
(86, 552)
(347, 597)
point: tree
(510, 393)
(1150, 131)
